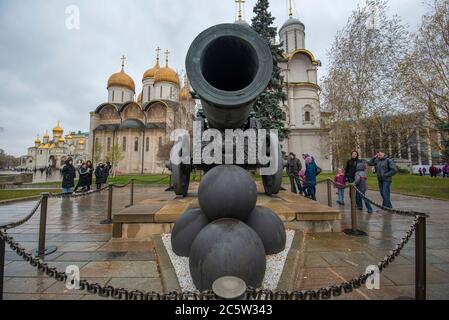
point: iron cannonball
(186, 229)
(227, 191)
(227, 247)
(270, 229)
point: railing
(36, 259)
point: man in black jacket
(293, 167)
(385, 169)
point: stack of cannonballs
(228, 235)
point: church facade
(308, 124)
(52, 152)
(140, 128)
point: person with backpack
(312, 170)
(385, 169)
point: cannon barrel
(229, 66)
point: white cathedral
(307, 122)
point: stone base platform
(158, 215)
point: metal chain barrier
(390, 210)
(24, 220)
(251, 293)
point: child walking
(340, 184)
(360, 184)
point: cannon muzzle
(229, 66)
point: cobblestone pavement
(73, 226)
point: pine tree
(268, 107)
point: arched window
(124, 144)
(161, 93)
(113, 94)
(123, 96)
(160, 141)
(109, 144)
(307, 116)
(136, 144)
(147, 144)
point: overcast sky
(50, 73)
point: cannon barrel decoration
(229, 66)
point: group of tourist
(85, 174)
(434, 171)
(303, 181)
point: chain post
(420, 259)
(2, 266)
(353, 208)
(329, 193)
(42, 251)
(109, 218)
(131, 203)
(353, 231)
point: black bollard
(131, 203)
(420, 259)
(329, 193)
(2, 266)
(109, 218)
(43, 251)
(353, 231)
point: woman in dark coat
(351, 167)
(68, 176)
(90, 169)
(83, 180)
(100, 175)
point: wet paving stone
(120, 269)
(107, 256)
(142, 284)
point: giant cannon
(229, 66)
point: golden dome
(150, 73)
(121, 79)
(69, 136)
(140, 97)
(58, 130)
(184, 94)
(166, 74)
(46, 135)
(61, 139)
(81, 141)
(37, 141)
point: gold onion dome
(58, 129)
(166, 74)
(150, 73)
(122, 79)
(37, 141)
(81, 142)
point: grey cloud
(49, 73)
